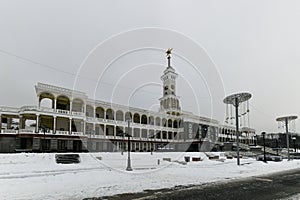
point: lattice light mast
(235, 100)
(286, 120)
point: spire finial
(169, 52)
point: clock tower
(169, 103)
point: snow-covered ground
(37, 176)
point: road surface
(273, 186)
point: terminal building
(76, 123)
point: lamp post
(263, 134)
(128, 159)
(277, 146)
(286, 120)
(294, 141)
(235, 100)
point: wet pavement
(274, 186)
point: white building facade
(76, 123)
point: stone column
(70, 126)
(104, 131)
(55, 101)
(37, 123)
(0, 123)
(54, 124)
(115, 131)
(84, 108)
(94, 128)
(71, 106)
(39, 101)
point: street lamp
(277, 146)
(286, 120)
(235, 100)
(263, 134)
(128, 159)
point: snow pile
(38, 176)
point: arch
(77, 105)
(119, 115)
(63, 102)
(89, 111)
(144, 119)
(110, 130)
(128, 116)
(151, 120)
(158, 135)
(136, 118)
(164, 135)
(136, 132)
(46, 103)
(164, 122)
(100, 112)
(46, 95)
(175, 124)
(110, 114)
(170, 135)
(179, 123)
(157, 121)
(170, 123)
(144, 133)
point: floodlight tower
(286, 120)
(235, 100)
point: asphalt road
(274, 186)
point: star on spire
(169, 52)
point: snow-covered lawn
(37, 176)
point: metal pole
(128, 160)
(237, 130)
(287, 137)
(265, 159)
(277, 146)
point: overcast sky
(242, 46)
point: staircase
(67, 158)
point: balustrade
(26, 131)
(62, 132)
(9, 131)
(63, 111)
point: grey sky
(254, 45)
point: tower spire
(169, 103)
(169, 52)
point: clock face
(172, 87)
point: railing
(28, 108)
(62, 132)
(98, 136)
(77, 133)
(9, 109)
(9, 131)
(45, 109)
(63, 111)
(26, 131)
(78, 113)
